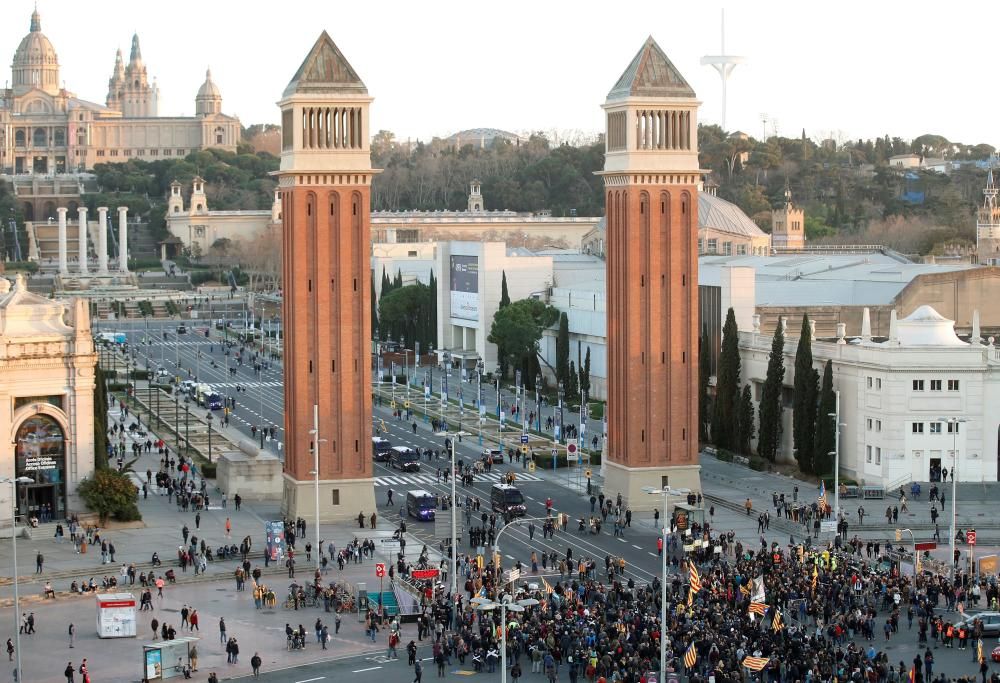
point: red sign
(380, 569)
(571, 448)
(970, 537)
(424, 573)
(926, 546)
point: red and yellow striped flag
(756, 663)
(745, 589)
(694, 579)
(815, 577)
(979, 650)
(690, 656)
(547, 585)
(690, 597)
(758, 608)
(777, 624)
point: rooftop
(651, 74)
(325, 70)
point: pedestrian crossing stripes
(247, 385)
(408, 479)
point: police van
(380, 449)
(507, 500)
(403, 458)
(421, 505)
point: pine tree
(585, 375)
(398, 281)
(826, 437)
(504, 294)
(572, 388)
(562, 350)
(704, 376)
(727, 386)
(804, 401)
(374, 310)
(744, 421)
(769, 434)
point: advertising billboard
(465, 287)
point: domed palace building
(46, 129)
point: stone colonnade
(102, 241)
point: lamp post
(953, 423)
(18, 674)
(454, 525)
(208, 418)
(835, 416)
(187, 425)
(315, 472)
(562, 395)
(916, 559)
(260, 377)
(538, 404)
(506, 603)
(666, 492)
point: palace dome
(35, 62)
(209, 89)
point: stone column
(63, 268)
(123, 239)
(82, 212)
(102, 240)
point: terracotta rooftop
(651, 74)
(325, 70)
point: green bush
(146, 308)
(112, 495)
(137, 264)
(172, 308)
(724, 455)
(596, 409)
(758, 464)
(207, 469)
(201, 277)
(21, 266)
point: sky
(844, 70)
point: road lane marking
(310, 680)
(356, 671)
(637, 547)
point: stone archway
(40, 454)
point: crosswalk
(247, 384)
(409, 479)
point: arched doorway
(40, 455)
(50, 211)
(29, 211)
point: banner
(464, 287)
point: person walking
(10, 650)
(255, 665)
(418, 671)
(197, 521)
(69, 672)
(229, 528)
(39, 561)
(222, 630)
(72, 634)
(388, 497)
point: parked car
(493, 456)
(991, 622)
(182, 329)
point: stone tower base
(354, 496)
(630, 482)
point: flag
(758, 590)
(979, 650)
(756, 663)
(815, 577)
(690, 597)
(758, 608)
(691, 656)
(912, 676)
(745, 590)
(822, 496)
(694, 579)
(777, 624)
(547, 585)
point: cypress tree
(769, 434)
(704, 376)
(433, 319)
(398, 282)
(727, 386)
(562, 350)
(744, 421)
(572, 388)
(374, 310)
(504, 294)
(825, 425)
(804, 400)
(100, 419)
(585, 375)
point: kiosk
(116, 615)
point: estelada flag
(745, 590)
(822, 495)
(758, 608)
(694, 579)
(690, 656)
(756, 663)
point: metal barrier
(873, 492)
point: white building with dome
(911, 404)
(46, 129)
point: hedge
(596, 409)
(144, 264)
(172, 308)
(146, 308)
(29, 266)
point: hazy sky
(860, 68)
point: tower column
(82, 213)
(102, 240)
(63, 267)
(123, 239)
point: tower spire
(36, 20)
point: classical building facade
(988, 225)
(325, 184)
(199, 227)
(47, 129)
(788, 226)
(651, 179)
(47, 362)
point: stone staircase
(142, 243)
(46, 239)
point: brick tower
(325, 183)
(651, 179)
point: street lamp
(837, 424)
(666, 492)
(314, 432)
(562, 395)
(18, 674)
(953, 423)
(187, 425)
(208, 417)
(506, 604)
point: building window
(114, 152)
(701, 246)
(154, 152)
(167, 152)
(878, 383)
(128, 152)
(869, 424)
(953, 427)
(727, 248)
(935, 427)
(713, 246)
(878, 456)
(918, 385)
(180, 152)
(952, 385)
(868, 453)
(741, 249)
(878, 425)
(100, 152)
(918, 427)
(935, 385)
(871, 381)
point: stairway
(389, 603)
(142, 243)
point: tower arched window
(39, 138)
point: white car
(162, 373)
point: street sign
(524, 438)
(380, 569)
(926, 546)
(424, 573)
(406, 404)
(510, 575)
(970, 537)
(572, 451)
(390, 541)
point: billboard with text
(465, 287)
